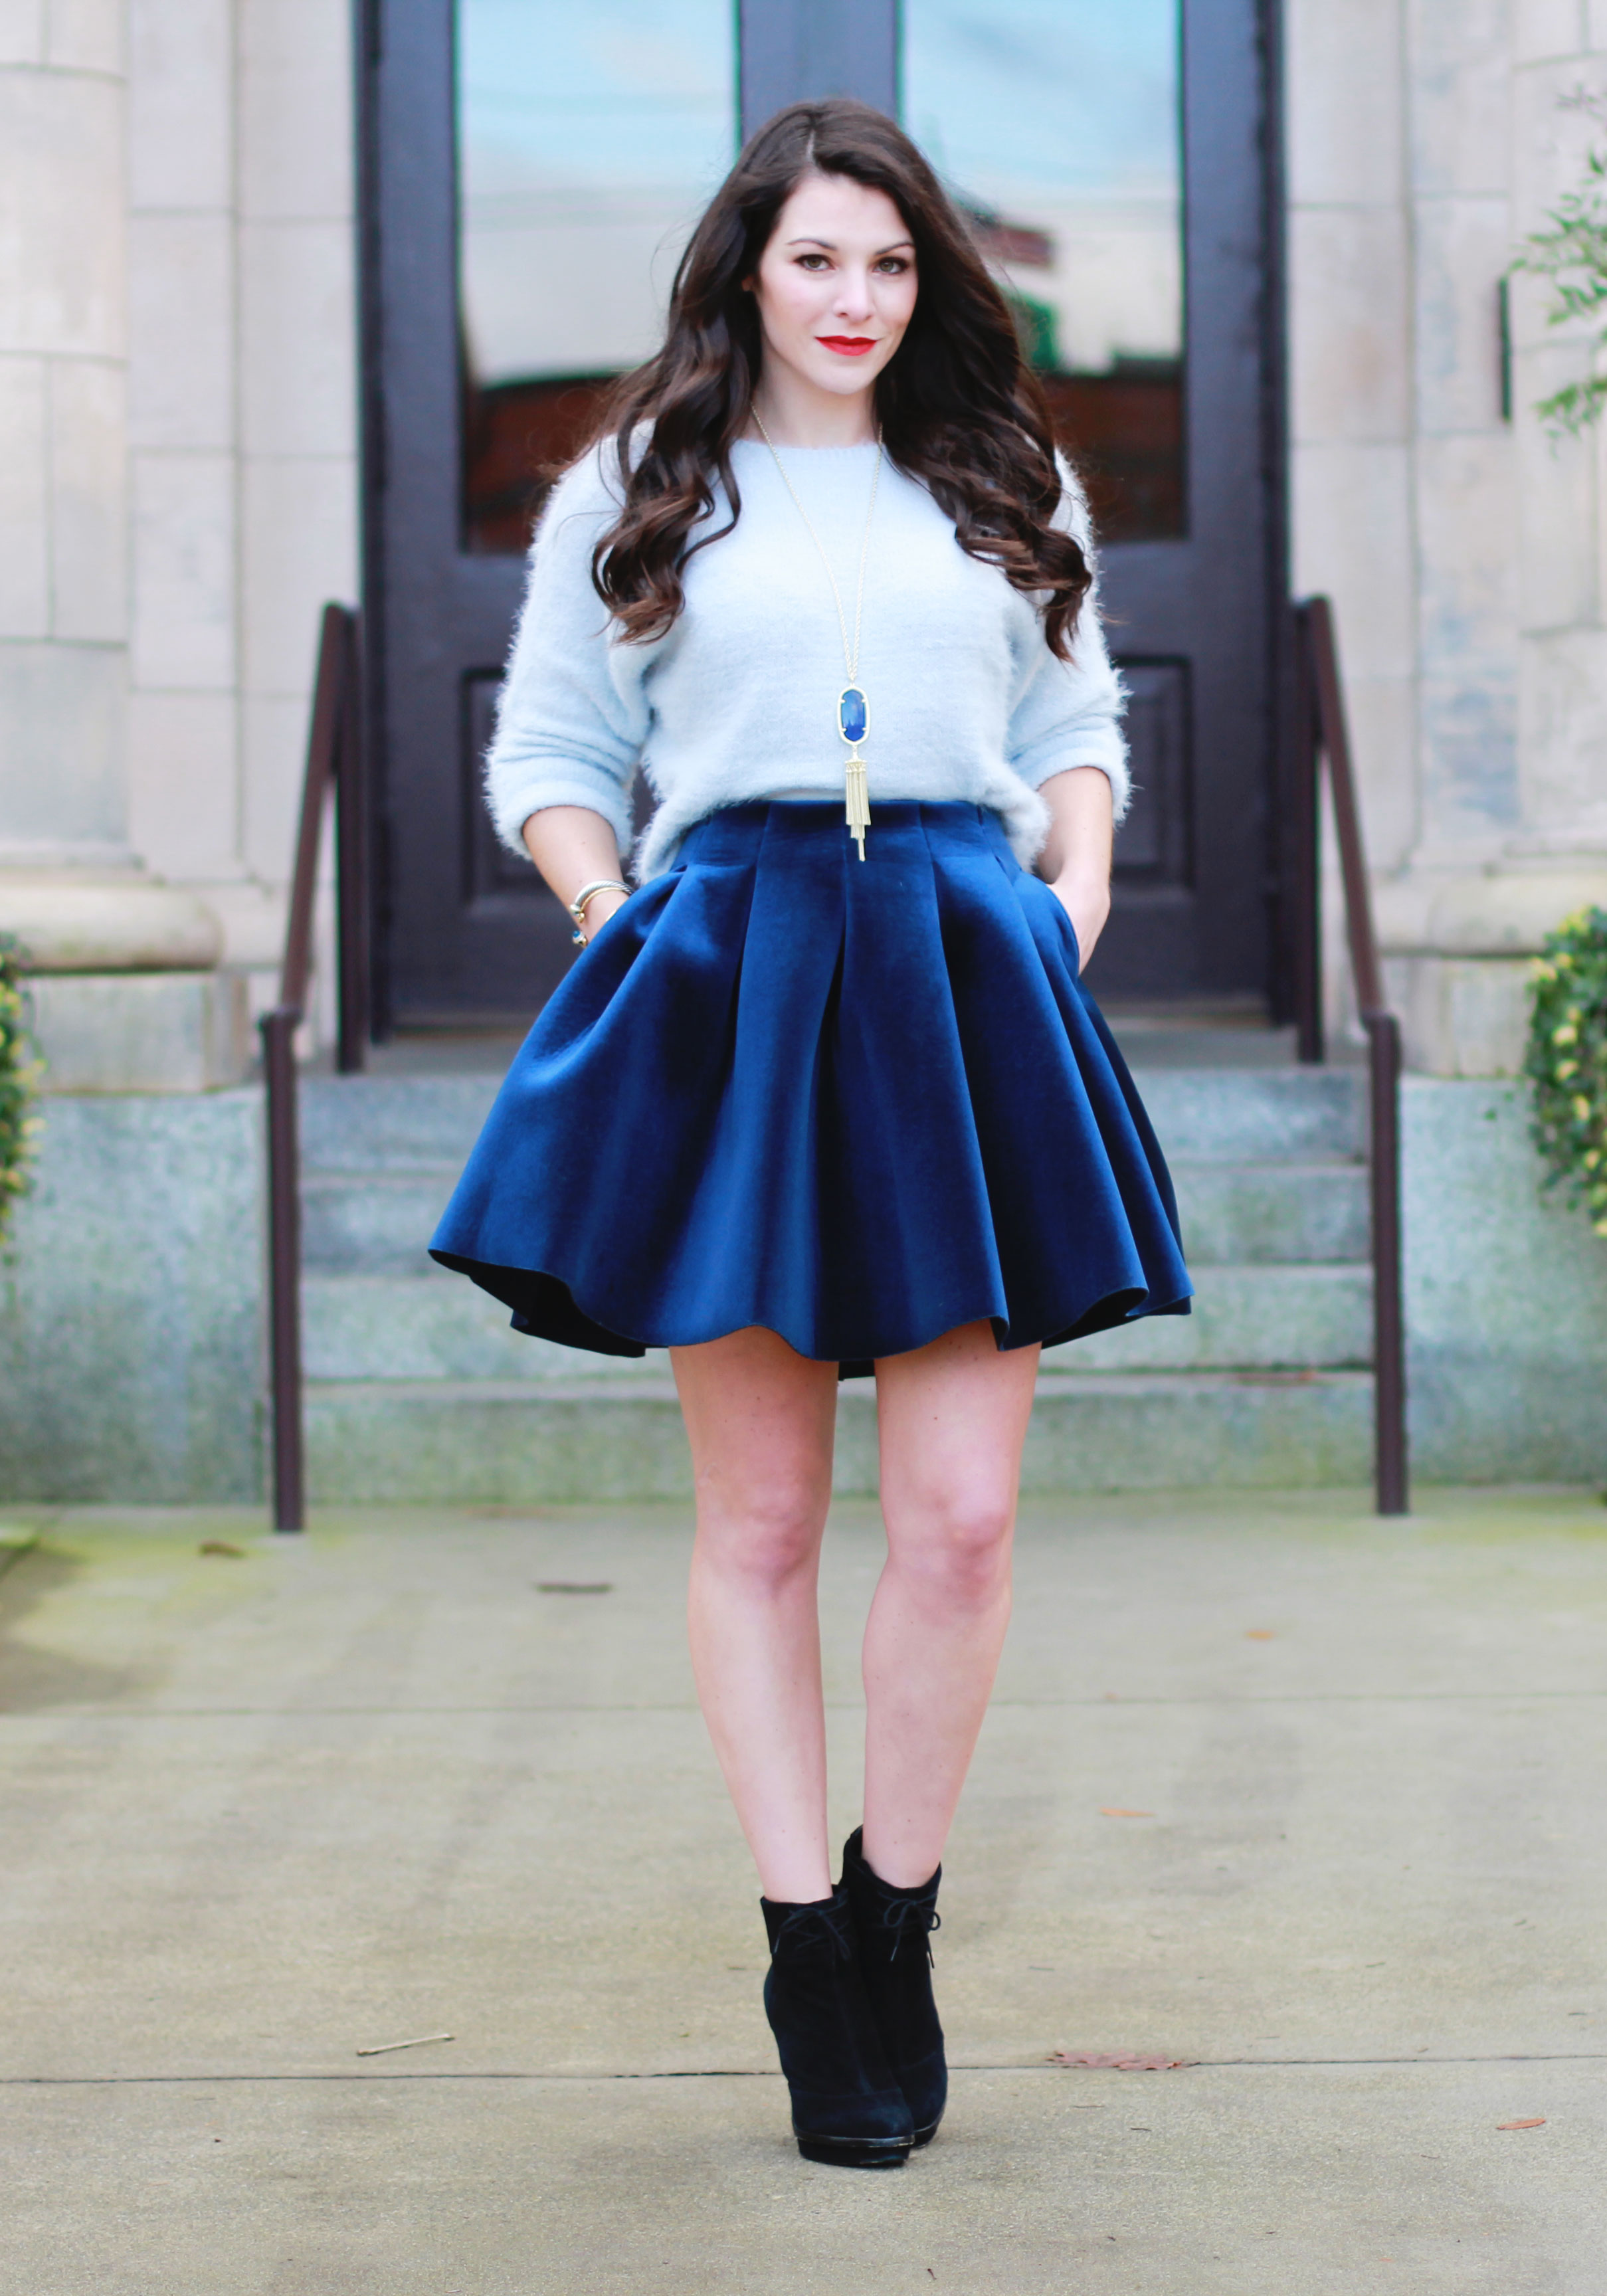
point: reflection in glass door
(1057, 125)
(589, 137)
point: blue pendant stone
(853, 714)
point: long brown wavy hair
(960, 409)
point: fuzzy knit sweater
(738, 700)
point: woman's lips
(848, 346)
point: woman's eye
(894, 265)
(812, 262)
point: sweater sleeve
(1068, 713)
(572, 716)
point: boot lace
(831, 1917)
(903, 1914)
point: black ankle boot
(846, 2108)
(892, 1927)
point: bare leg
(951, 1420)
(761, 1420)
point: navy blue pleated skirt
(858, 1102)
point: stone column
(129, 996)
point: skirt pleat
(857, 1103)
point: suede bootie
(892, 1929)
(846, 2108)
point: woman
(825, 1097)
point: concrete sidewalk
(264, 1809)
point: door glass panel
(590, 134)
(1057, 125)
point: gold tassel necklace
(853, 707)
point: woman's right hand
(574, 846)
(599, 909)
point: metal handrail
(333, 764)
(1323, 735)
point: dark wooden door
(472, 384)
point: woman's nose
(854, 296)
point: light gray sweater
(739, 701)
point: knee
(766, 1536)
(957, 1545)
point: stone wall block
(181, 330)
(1383, 717)
(1353, 539)
(1460, 1016)
(273, 747)
(83, 921)
(1348, 323)
(62, 255)
(184, 815)
(141, 1032)
(87, 35)
(1466, 515)
(1551, 139)
(1563, 717)
(21, 31)
(1543, 28)
(295, 109)
(24, 521)
(252, 919)
(88, 481)
(1506, 1298)
(1557, 503)
(299, 550)
(61, 703)
(298, 338)
(184, 545)
(1509, 911)
(181, 103)
(1469, 757)
(1463, 246)
(1460, 104)
(1343, 127)
(131, 1327)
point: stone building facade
(1464, 549)
(178, 496)
(178, 452)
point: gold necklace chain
(857, 801)
(850, 659)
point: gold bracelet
(577, 908)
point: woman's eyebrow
(831, 244)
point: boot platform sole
(854, 2152)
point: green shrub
(1567, 1060)
(20, 1073)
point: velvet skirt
(858, 1102)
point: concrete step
(392, 1124)
(372, 1223)
(1291, 1318)
(433, 1326)
(411, 1123)
(500, 1442)
(1235, 1214)
(422, 1327)
(1258, 1114)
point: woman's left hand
(1075, 858)
(1087, 903)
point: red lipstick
(848, 346)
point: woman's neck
(796, 415)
